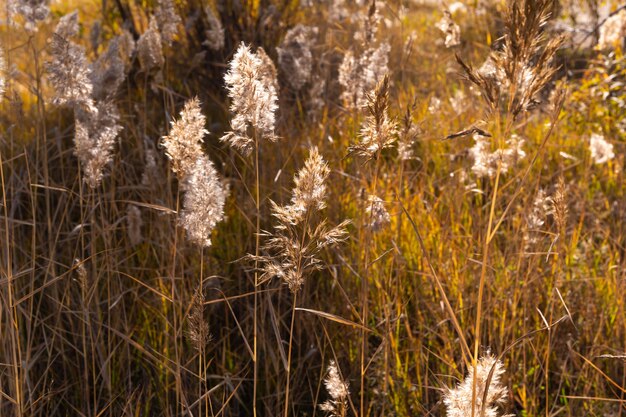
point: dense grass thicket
(314, 207)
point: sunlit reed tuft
(251, 84)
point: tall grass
(312, 208)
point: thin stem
(293, 316)
(256, 275)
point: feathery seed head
(96, 134)
(150, 47)
(379, 131)
(458, 401)
(203, 203)
(299, 236)
(183, 146)
(613, 31)
(215, 33)
(295, 57)
(358, 76)
(338, 391)
(450, 29)
(33, 11)
(376, 214)
(168, 20)
(601, 150)
(486, 162)
(198, 333)
(68, 71)
(251, 84)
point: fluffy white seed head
(338, 391)
(309, 192)
(486, 162)
(68, 70)
(183, 146)
(203, 203)
(95, 139)
(359, 75)
(251, 84)
(601, 150)
(458, 401)
(450, 29)
(33, 11)
(613, 31)
(376, 215)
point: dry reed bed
(344, 208)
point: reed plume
(339, 392)
(490, 391)
(378, 131)
(168, 20)
(215, 33)
(150, 47)
(205, 195)
(512, 77)
(295, 57)
(376, 214)
(251, 84)
(450, 29)
(299, 236)
(203, 204)
(183, 145)
(68, 70)
(601, 150)
(33, 11)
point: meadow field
(313, 208)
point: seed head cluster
(338, 391)
(205, 195)
(379, 131)
(33, 11)
(490, 391)
(300, 235)
(183, 145)
(150, 47)
(215, 32)
(359, 74)
(450, 29)
(295, 56)
(251, 84)
(601, 150)
(486, 162)
(68, 70)
(168, 20)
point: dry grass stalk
(299, 236)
